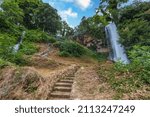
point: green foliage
(93, 27)
(109, 9)
(134, 25)
(70, 48)
(57, 44)
(6, 42)
(140, 57)
(16, 58)
(139, 66)
(29, 8)
(101, 19)
(66, 31)
(121, 79)
(12, 12)
(65, 54)
(38, 36)
(28, 48)
(11, 18)
(47, 18)
(73, 49)
(3, 63)
(131, 77)
(6, 50)
(134, 28)
(38, 19)
(32, 14)
(98, 56)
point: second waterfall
(117, 51)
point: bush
(39, 36)
(17, 58)
(70, 48)
(57, 44)
(28, 48)
(64, 54)
(6, 43)
(131, 77)
(46, 38)
(3, 63)
(140, 64)
(140, 57)
(6, 53)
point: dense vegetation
(134, 25)
(42, 24)
(70, 48)
(39, 20)
(134, 29)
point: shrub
(74, 49)
(57, 44)
(64, 54)
(140, 57)
(46, 38)
(71, 48)
(140, 64)
(28, 48)
(17, 58)
(6, 42)
(38, 36)
(3, 63)
(128, 78)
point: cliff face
(91, 42)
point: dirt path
(88, 86)
(85, 84)
(50, 76)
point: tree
(66, 30)
(47, 18)
(91, 27)
(12, 12)
(39, 15)
(29, 8)
(109, 9)
(11, 16)
(134, 25)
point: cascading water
(16, 47)
(117, 51)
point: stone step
(58, 94)
(66, 81)
(69, 78)
(62, 84)
(63, 89)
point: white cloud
(82, 4)
(68, 13)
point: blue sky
(73, 10)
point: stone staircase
(62, 88)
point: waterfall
(117, 51)
(16, 47)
